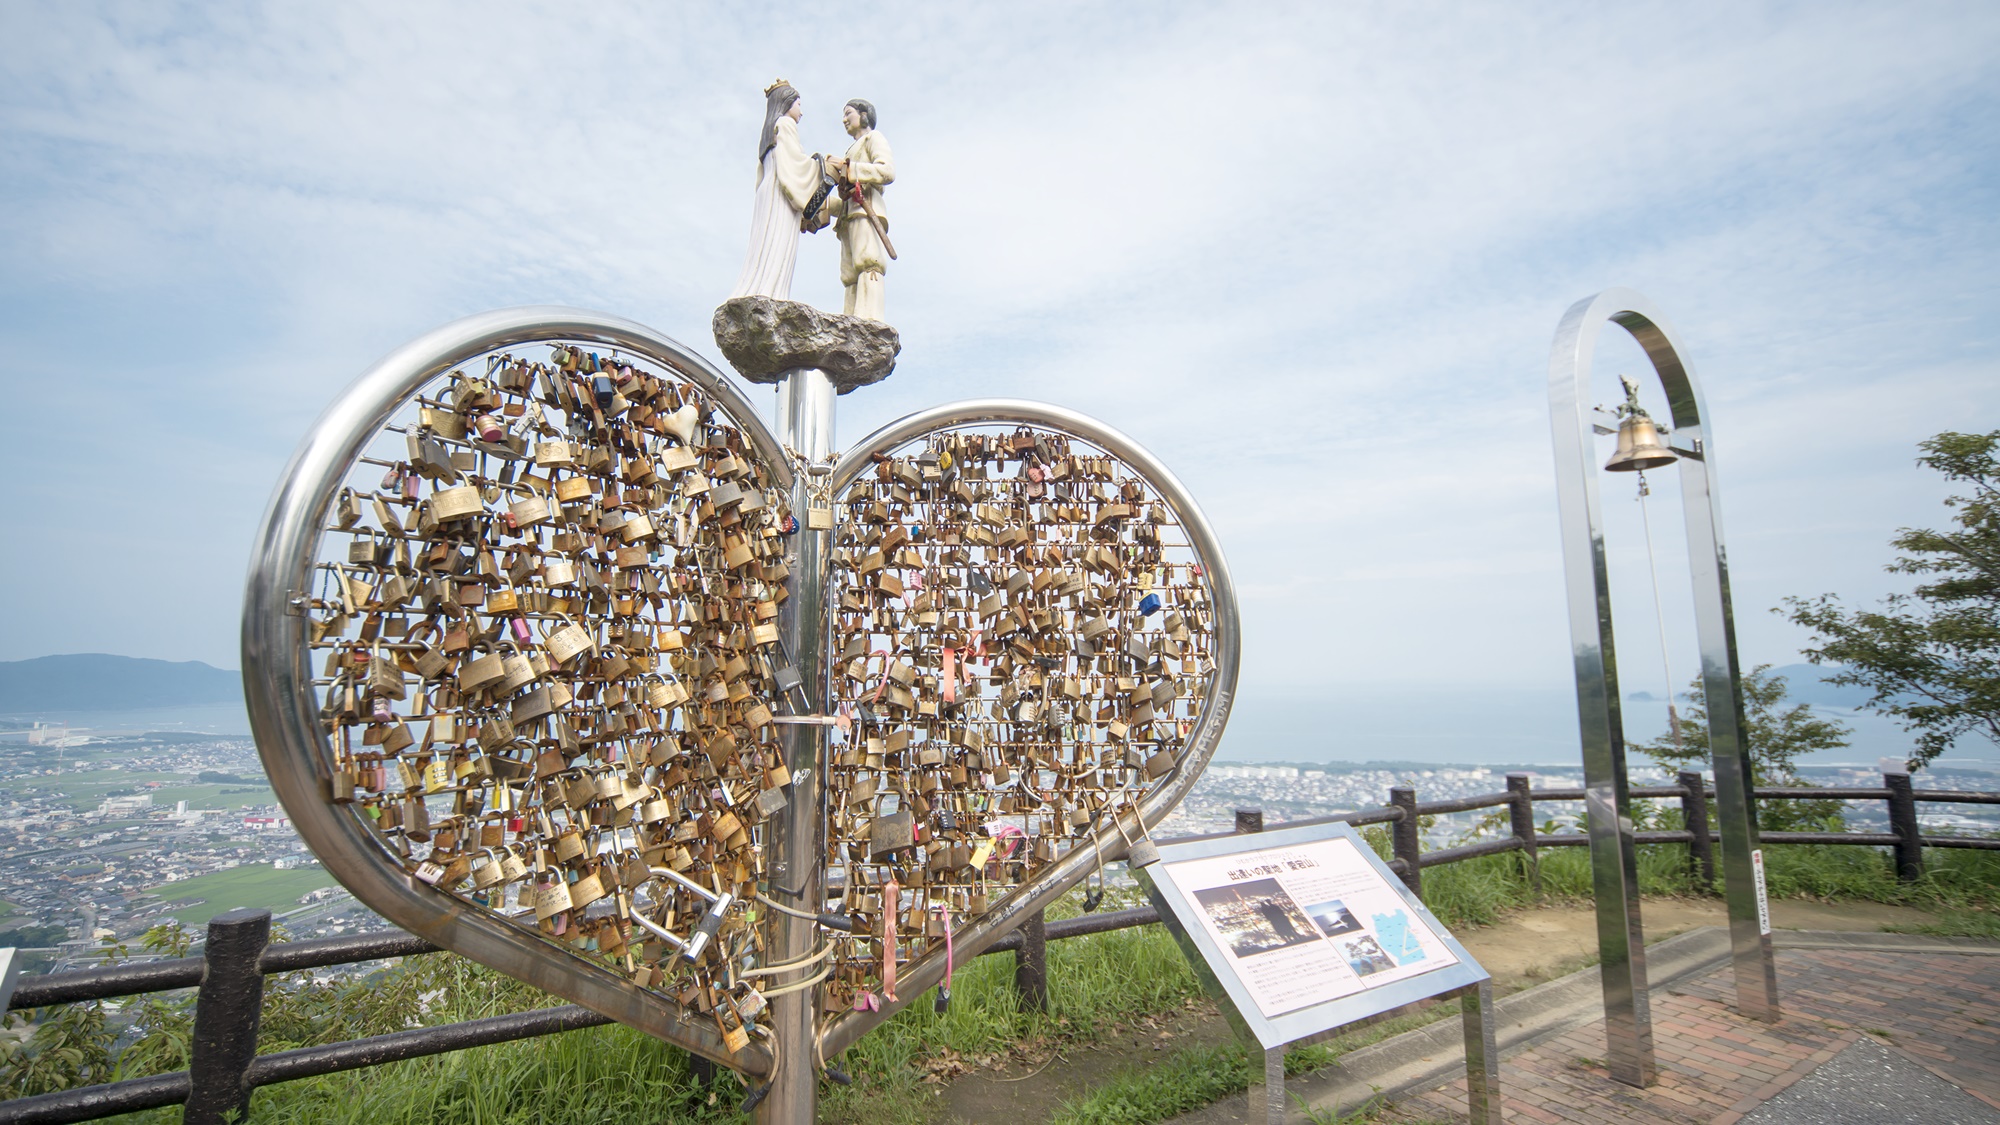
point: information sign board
(1303, 930)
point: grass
(1960, 885)
(1099, 987)
(1192, 1077)
(615, 1074)
(252, 884)
(600, 1074)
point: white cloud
(1312, 255)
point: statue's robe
(785, 181)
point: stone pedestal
(763, 338)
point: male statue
(862, 223)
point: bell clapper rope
(1659, 615)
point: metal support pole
(1694, 811)
(1521, 821)
(798, 844)
(1031, 964)
(1249, 820)
(1482, 1055)
(227, 1009)
(1267, 1089)
(1903, 822)
(1407, 840)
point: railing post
(1694, 811)
(1521, 817)
(1903, 822)
(702, 1070)
(1249, 820)
(228, 1007)
(1407, 839)
(1031, 964)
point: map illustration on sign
(1393, 931)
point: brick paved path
(1941, 1009)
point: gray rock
(763, 338)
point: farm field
(85, 789)
(253, 884)
(215, 796)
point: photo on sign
(1256, 917)
(1334, 918)
(1365, 957)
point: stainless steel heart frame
(277, 673)
(1110, 842)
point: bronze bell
(1639, 447)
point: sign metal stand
(1274, 927)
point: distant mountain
(1804, 683)
(94, 681)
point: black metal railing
(229, 974)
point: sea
(1445, 726)
(1487, 726)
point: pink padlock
(489, 427)
(520, 627)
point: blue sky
(1312, 255)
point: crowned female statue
(786, 179)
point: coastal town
(105, 834)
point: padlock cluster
(550, 656)
(1023, 640)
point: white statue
(865, 249)
(786, 177)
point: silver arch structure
(1613, 861)
(277, 668)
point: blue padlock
(1149, 605)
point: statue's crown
(775, 83)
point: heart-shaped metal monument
(511, 652)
